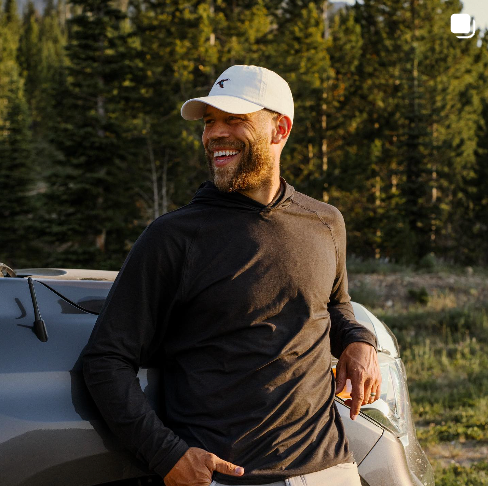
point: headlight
(390, 410)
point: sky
(479, 10)
(476, 8)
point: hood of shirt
(208, 194)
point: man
(240, 298)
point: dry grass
(441, 322)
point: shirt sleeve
(344, 327)
(128, 332)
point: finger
(341, 378)
(377, 392)
(225, 467)
(367, 392)
(357, 396)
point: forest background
(391, 127)
(391, 120)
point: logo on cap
(221, 83)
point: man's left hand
(359, 363)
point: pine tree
(151, 102)
(299, 54)
(181, 48)
(403, 148)
(91, 192)
(11, 14)
(466, 241)
(16, 208)
(29, 57)
(350, 178)
(477, 241)
(9, 40)
(16, 203)
(243, 32)
(52, 66)
(379, 96)
(451, 68)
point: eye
(207, 121)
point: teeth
(221, 153)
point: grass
(380, 266)
(446, 357)
(456, 475)
(428, 264)
(443, 337)
(366, 295)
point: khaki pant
(340, 475)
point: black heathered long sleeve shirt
(240, 305)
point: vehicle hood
(88, 289)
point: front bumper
(384, 459)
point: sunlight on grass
(444, 344)
(446, 357)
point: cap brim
(195, 108)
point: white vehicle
(51, 433)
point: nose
(217, 129)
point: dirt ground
(445, 290)
(455, 452)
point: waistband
(341, 474)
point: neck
(265, 194)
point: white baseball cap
(244, 89)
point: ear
(282, 129)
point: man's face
(237, 148)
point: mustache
(224, 144)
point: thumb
(341, 377)
(228, 468)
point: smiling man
(234, 165)
(241, 299)
(249, 163)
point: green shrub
(428, 262)
(420, 296)
(456, 475)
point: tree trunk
(154, 172)
(164, 187)
(325, 162)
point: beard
(255, 167)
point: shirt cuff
(167, 461)
(362, 337)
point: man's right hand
(196, 466)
